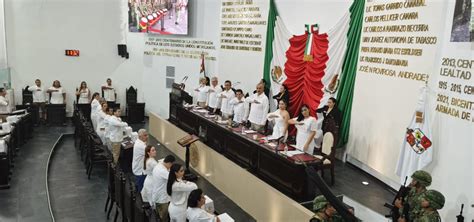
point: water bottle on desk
(243, 130)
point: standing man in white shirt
(160, 179)
(109, 93)
(116, 128)
(39, 99)
(240, 107)
(214, 102)
(258, 108)
(4, 109)
(227, 95)
(138, 158)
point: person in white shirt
(240, 107)
(148, 166)
(258, 108)
(195, 213)
(214, 102)
(178, 189)
(116, 127)
(107, 119)
(4, 109)
(39, 98)
(100, 129)
(83, 93)
(202, 93)
(306, 130)
(160, 197)
(95, 107)
(138, 156)
(109, 92)
(280, 121)
(57, 94)
(227, 95)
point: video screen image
(162, 17)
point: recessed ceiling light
(365, 183)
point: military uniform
(430, 214)
(414, 198)
(319, 205)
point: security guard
(325, 212)
(420, 180)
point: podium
(56, 114)
(186, 142)
(177, 97)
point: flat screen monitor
(161, 17)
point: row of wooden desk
(286, 174)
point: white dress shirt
(100, 121)
(83, 96)
(148, 185)
(160, 179)
(4, 109)
(116, 128)
(179, 199)
(109, 94)
(258, 111)
(38, 95)
(303, 132)
(226, 107)
(95, 107)
(203, 93)
(214, 101)
(241, 109)
(196, 214)
(57, 97)
(138, 156)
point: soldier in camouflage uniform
(325, 212)
(420, 180)
(431, 202)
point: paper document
(294, 152)
(225, 218)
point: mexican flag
(416, 152)
(309, 64)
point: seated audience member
(160, 180)
(240, 107)
(57, 93)
(202, 92)
(226, 96)
(280, 118)
(39, 98)
(83, 93)
(258, 108)
(179, 190)
(138, 156)
(194, 212)
(214, 102)
(306, 130)
(116, 126)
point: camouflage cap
(319, 203)
(423, 177)
(435, 198)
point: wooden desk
(281, 172)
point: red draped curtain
(304, 77)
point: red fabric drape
(304, 78)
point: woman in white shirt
(83, 93)
(194, 212)
(202, 93)
(280, 120)
(307, 127)
(179, 190)
(149, 164)
(57, 94)
(100, 130)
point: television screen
(162, 17)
